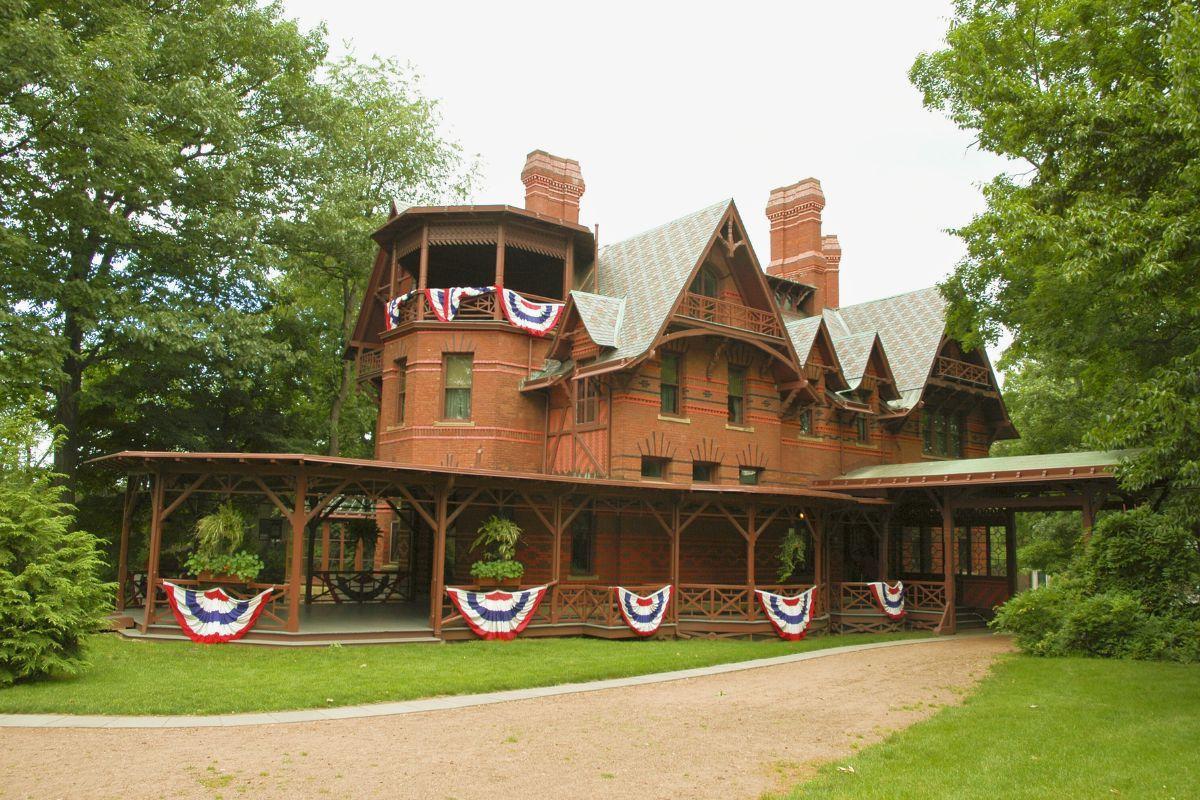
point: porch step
(969, 618)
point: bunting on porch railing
(211, 616)
(643, 614)
(393, 309)
(788, 615)
(445, 302)
(497, 614)
(890, 599)
(536, 319)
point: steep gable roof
(803, 333)
(910, 326)
(854, 351)
(601, 316)
(648, 271)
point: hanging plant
(497, 539)
(793, 553)
(218, 537)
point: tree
(376, 142)
(144, 146)
(50, 595)
(1091, 258)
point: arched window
(705, 282)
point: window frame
(862, 429)
(401, 389)
(709, 470)
(677, 386)
(743, 472)
(447, 389)
(738, 401)
(583, 525)
(705, 274)
(805, 420)
(587, 401)
(660, 462)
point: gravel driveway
(735, 735)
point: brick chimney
(798, 250)
(553, 185)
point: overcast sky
(671, 106)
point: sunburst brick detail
(656, 445)
(753, 456)
(706, 450)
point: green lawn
(132, 677)
(1040, 728)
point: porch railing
(357, 586)
(715, 601)
(955, 370)
(471, 309)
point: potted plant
(498, 539)
(217, 557)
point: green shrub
(1035, 617)
(51, 595)
(497, 570)
(1104, 625)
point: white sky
(671, 106)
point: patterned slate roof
(803, 333)
(601, 316)
(648, 271)
(909, 325)
(853, 352)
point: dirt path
(724, 736)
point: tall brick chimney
(798, 250)
(553, 185)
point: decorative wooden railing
(357, 586)
(854, 596)
(955, 370)
(370, 364)
(133, 593)
(274, 614)
(731, 314)
(713, 601)
(925, 595)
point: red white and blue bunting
(210, 616)
(890, 599)
(643, 614)
(788, 615)
(393, 309)
(497, 614)
(536, 319)
(445, 302)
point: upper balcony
(482, 308)
(952, 369)
(730, 314)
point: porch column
(949, 621)
(438, 582)
(156, 506)
(751, 540)
(423, 272)
(556, 558)
(131, 488)
(299, 519)
(499, 310)
(676, 535)
(1010, 550)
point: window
(704, 471)
(737, 395)
(654, 467)
(457, 370)
(749, 476)
(270, 530)
(587, 401)
(705, 282)
(401, 389)
(583, 544)
(861, 429)
(668, 392)
(806, 422)
(943, 434)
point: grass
(140, 677)
(1039, 728)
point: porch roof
(1010, 469)
(145, 461)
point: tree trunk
(346, 384)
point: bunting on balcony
(445, 302)
(890, 599)
(536, 319)
(497, 614)
(393, 309)
(788, 615)
(210, 616)
(643, 614)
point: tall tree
(377, 142)
(144, 147)
(1091, 255)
